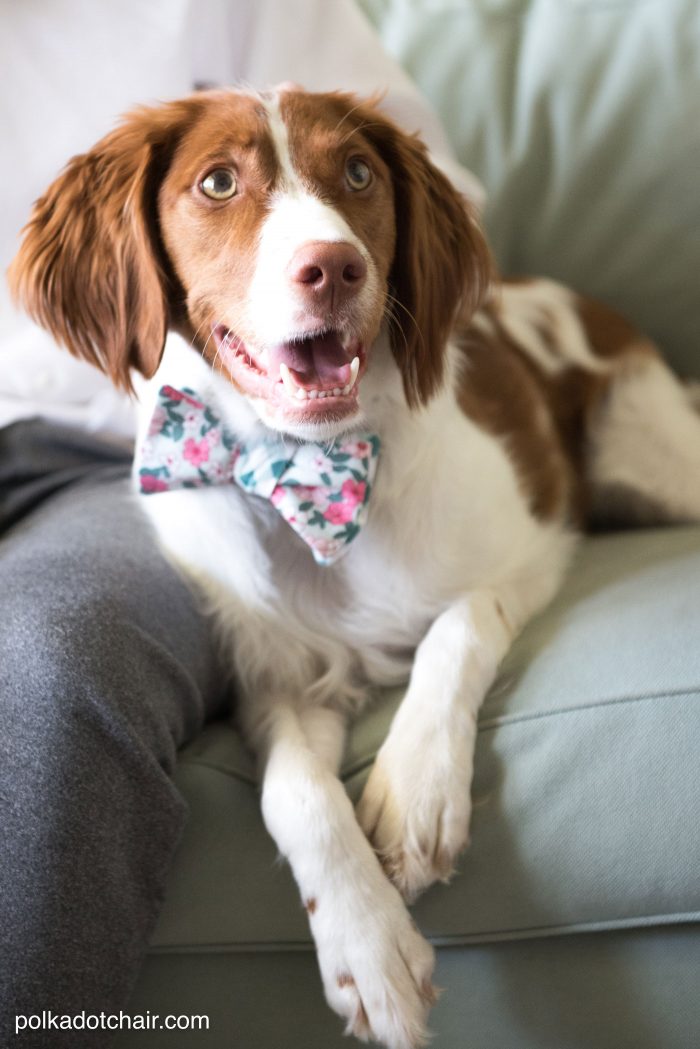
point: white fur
(646, 441)
(296, 217)
(449, 566)
(544, 304)
(308, 640)
(375, 965)
(417, 811)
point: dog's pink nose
(327, 272)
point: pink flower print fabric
(322, 491)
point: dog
(371, 454)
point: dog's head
(276, 232)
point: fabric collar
(321, 490)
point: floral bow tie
(322, 491)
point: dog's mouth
(309, 374)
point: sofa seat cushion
(586, 790)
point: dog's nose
(327, 272)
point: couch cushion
(586, 793)
(629, 989)
(581, 119)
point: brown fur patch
(123, 246)
(310, 905)
(611, 335)
(91, 267)
(439, 261)
(345, 980)
(210, 242)
(502, 391)
(544, 417)
(323, 134)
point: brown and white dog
(327, 278)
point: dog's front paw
(376, 967)
(415, 810)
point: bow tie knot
(322, 491)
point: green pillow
(582, 118)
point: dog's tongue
(319, 362)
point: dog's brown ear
(91, 268)
(442, 264)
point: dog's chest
(446, 517)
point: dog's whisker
(355, 130)
(347, 115)
(215, 360)
(393, 301)
(196, 333)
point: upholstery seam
(522, 934)
(485, 725)
(505, 720)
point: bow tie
(322, 491)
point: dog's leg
(375, 965)
(644, 447)
(416, 805)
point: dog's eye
(357, 174)
(219, 184)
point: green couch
(573, 920)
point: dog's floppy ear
(91, 268)
(441, 263)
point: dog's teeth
(301, 394)
(322, 393)
(346, 389)
(337, 391)
(313, 394)
(289, 384)
(354, 369)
